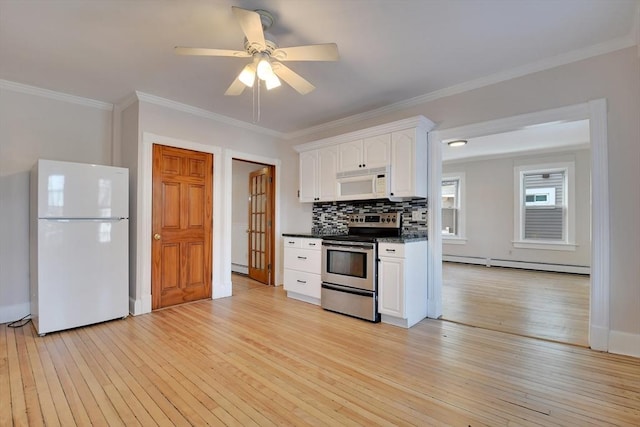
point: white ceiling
(547, 137)
(391, 51)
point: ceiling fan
(267, 56)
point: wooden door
(260, 225)
(181, 226)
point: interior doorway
(532, 287)
(253, 212)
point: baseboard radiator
(525, 265)
(239, 268)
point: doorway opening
(252, 228)
(512, 239)
(596, 112)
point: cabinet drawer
(302, 283)
(292, 242)
(313, 244)
(308, 260)
(395, 250)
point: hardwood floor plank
(18, 402)
(5, 385)
(34, 413)
(259, 358)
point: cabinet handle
(390, 250)
(302, 257)
(364, 166)
(301, 281)
(312, 244)
(291, 243)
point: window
(545, 206)
(452, 206)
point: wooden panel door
(260, 224)
(181, 226)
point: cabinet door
(350, 156)
(327, 167)
(402, 163)
(308, 176)
(376, 151)
(391, 287)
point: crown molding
(178, 106)
(51, 94)
(577, 55)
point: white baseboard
(9, 313)
(599, 338)
(624, 343)
(490, 262)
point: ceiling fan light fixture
(248, 75)
(272, 82)
(265, 71)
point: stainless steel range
(350, 267)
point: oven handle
(343, 245)
(347, 290)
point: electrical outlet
(416, 215)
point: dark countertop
(402, 239)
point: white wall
(33, 127)
(489, 209)
(614, 76)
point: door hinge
(298, 193)
(269, 267)
(270, 179)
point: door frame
(596, 112)
(229, 156)
(222, 203)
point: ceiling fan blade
(292, 78)
(198, 51)
(236, 88)
(314, 52)
(251, 25)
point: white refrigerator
(79, 249)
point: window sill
(447, 240)
(549, 246)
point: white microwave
(363, 184)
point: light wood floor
(261, 359)
(242, 283)
(540, 304)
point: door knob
(156, 236)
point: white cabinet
(408, 164)
(318, 174)
(302, 264)
(402, 283)
(402, 145)
(367, 153)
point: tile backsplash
(331, 217)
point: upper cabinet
(408, 164)
(318, 174)
(401, 146)
(371, 152)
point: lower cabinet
(302, 264)
(402, 283)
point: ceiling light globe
(247, 75)
(264, 70)
(272, 82)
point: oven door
(349, 264)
